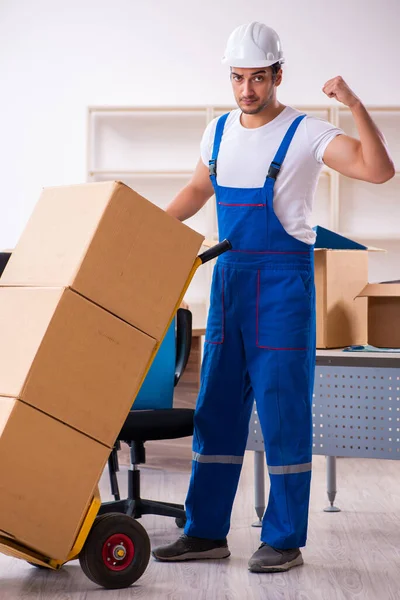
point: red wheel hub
(118, 552)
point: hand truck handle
(215, 251)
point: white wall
(56, 58)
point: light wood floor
(354, 554)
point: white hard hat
(253, 45)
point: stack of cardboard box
(84, 302)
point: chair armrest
(183, 341)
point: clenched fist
(338, 88)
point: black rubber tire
(91, 556)
(180, 522)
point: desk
(356, 413)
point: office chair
(153, 418)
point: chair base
(135, 506)
(139, 507)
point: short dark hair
(276, 67)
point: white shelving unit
(154, 150)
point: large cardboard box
(48, 473)
(110, 245)
(383, 313)
(341, 317)
(341, 272)
(70, 359)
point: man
(263, 162)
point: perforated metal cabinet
(356, 412)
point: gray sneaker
(272, 560)
(192, 548)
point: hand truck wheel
(116, 552)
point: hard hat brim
(244, 63)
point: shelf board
(391, 237)
(372, 108)
(315, 107)
(132, 173)
(164, 173)
(145, 110)
(328, 171)
(202, 110)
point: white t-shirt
(246, 154)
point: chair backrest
(157, 390)
(4, 256)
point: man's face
(254, 89)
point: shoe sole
(258, 568)
(215, 553)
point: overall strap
(217, 143)
(276, 164)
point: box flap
(383, 290)
(374, 249)
(329, 240)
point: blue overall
(260, 344)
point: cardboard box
(341, 317)
(48, 473)
(70, 359)
(112, 246)
(341, 272)
(383, 313)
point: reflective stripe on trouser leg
(217, 459)
(289, 469)
(221, 420)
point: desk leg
(259, 486)
(331, 483)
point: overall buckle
(274, 170)
(212, 166)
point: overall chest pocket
(284, 309)
(240, 198)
